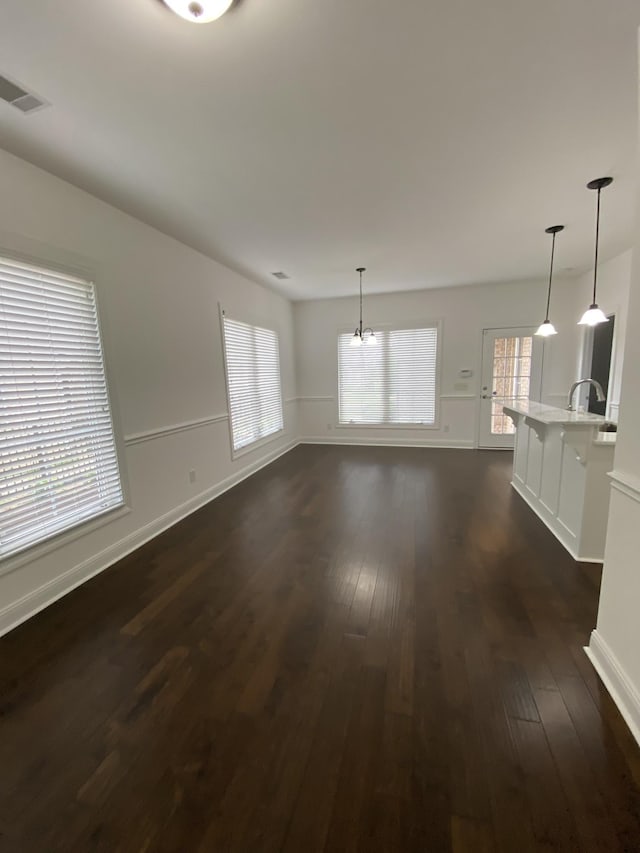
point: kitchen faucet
(600, 395)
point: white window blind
(393, 382)
(252, 360)
(58, 462)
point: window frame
(393, 327)
(62, 262)
(273, 436)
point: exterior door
(511, 370)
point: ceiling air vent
(281, 275)
(18, 97)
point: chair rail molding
(628, 484)
(172, 429)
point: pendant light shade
(199, 11)
(546, 329)
(360, 336)
(594, 315)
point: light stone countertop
(551, 414)
(548, 415)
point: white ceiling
(429, 140)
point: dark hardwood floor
(358, 649)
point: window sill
(413, 427)
(35, 551)
(256, 445)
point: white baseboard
(616, 681)
(389, 442)
(24, 608)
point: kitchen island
(560, 467)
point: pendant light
(594, 315)
(199, 11)
(547, 328)
(361, 335)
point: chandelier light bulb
(362, 335)
(199, 11)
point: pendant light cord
(360, 271)
(553, 248)
(595, 268)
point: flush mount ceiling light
(361, 335)
(199, 11)
(547, 328)
(594, 315)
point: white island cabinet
(560, 467)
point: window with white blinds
(252, 359)
(58, 462)
(393, 382)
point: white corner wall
(615, 644)
(158, 305)
(464, 312)
(614, 647)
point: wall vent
(281, 275)
(17, 96)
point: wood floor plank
(366, 649)
(593, 822)
(347, 830)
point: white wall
(614, 647)
(159, 311)
(464, 312)
(615, 644)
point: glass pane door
(511, 378)
(511, 370)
